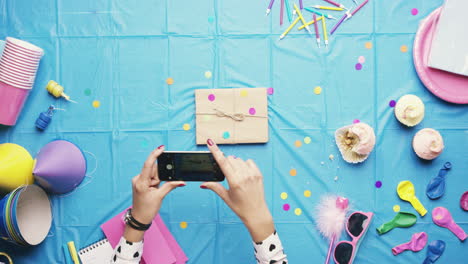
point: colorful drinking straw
(309, 23)
(269, 7)
(324, 28)
(299, 14)
(358, 8)
(281, 12)
(318, 13)
(317, 35)
(288, 10)
(289, 28)
(328, 8)
(346, 15)
(335, 3)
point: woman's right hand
(245, 195)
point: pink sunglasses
(357, 226)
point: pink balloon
(417, 243)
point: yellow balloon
(16, 165)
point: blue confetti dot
(226, 135)
(211, 19)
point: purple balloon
(60, 167)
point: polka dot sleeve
(270, 251)
(127, 252)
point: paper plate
(447, 86)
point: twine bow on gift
(233, 116)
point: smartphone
(189, 166)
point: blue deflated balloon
(436, 187)
(435, 249)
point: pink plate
(447, 86)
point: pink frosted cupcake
(355, 142)
(428, 144)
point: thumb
(167, 187)
(217, 188)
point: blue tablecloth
(120, 53)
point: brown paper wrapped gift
(232, 116)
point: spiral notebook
(97, 253)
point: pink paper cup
(11, 103)
(25, 46)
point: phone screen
(188, 166)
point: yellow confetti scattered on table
(284, 196)
(307, 140)
(244, 93)
(318, 90)
(186, 127)
(396, 208)
(293, 172)
(307, 193)
(96, 104)
(170, 81)
(183, 225)
(404, 48)
(298, 143)
(331, 157)
(298, 211)
(368, 45)
(208, 74)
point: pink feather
(329, 217)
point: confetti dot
(186, 127)
(396, 208)
(226, 135)
(144, 144)
(170, 81)
(293, 172)
(284, 196)
(183, 225)
(270, 91)
(322, 163)
(211, 19)
(336, 178)
(414, 11)
(404, 48)
(87, 92)
(298, 211)
(96, 104)
(244, 93)
(378, 184)
(208, 74)
(392, 103)
(286, 207)
(298, 143)
(355, 121)
(252, 111)
(211, 97)
(358, 66)
(331, 157)
(307, 140)
(307, 193)
(361, 59)
(368, 45)
(318, 90)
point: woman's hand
(245, 195)
(148, 194)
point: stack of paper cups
(18, 68)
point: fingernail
(160, 147)
(210, 142)
(181, 185)
(203, 187)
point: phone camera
(169, 167)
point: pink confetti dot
(270, 91)
(378, 184)
(211, 97)
(252, 111)
(361, 59)
(392, 103)
(355, 121)
(286, 207)
(358, 66)
(414, 11)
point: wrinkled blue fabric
(124, 50)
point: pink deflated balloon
(417, 243)
(442, 217)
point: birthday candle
(301, 6)
(329, 8)
(317, 35)
(335, 3)
(269, 7)
(309, 23)
(339, 23)
(318, 13)
(281, 12)
(299, 14)
(288, 10)
(289, 28)
(324, 28)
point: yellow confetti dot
(186, 127)
(298, 143)
(404, 48)
(307, 140)
(208, 74)
(368, 45)
(318, 90)
(396, 208)
(293, 172)
(307, 193)
(298, 211)
(170, 81)
(183, 225)
(331, 157)
(284, 196)
(96, 104)
(244, 93)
